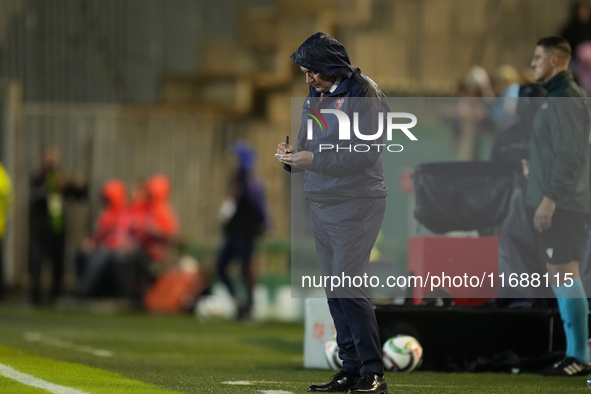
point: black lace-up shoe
(370, 383)
(339, 383)
(568, 367)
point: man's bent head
(322, 58)
(322, 83)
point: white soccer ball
(331, 351)
(209, 307)
(402, 353)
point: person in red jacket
(112, 226)
(160, 225)
(154, 228)
(109, 242)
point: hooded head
(158, 188)
(114, 193)
(245, 154)
(323, 54)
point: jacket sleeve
(355, 155)
(569, 128)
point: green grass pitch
(139, 353)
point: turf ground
(137, 353)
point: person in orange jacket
(154, 227)
(109, 242)
(160, 225)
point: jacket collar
(343, 87)
(336, 84)
(560, 79)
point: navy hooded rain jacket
(342, 169)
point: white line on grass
(274, 392)
(253, 382)
(30, 380)
(250, 382)
(37, 337)
(421, 385)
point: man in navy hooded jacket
(344, 182)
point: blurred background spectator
(49, 189)
(6, 196)
(476, 83)
(153, 228)
(107, 247)
(244, 219)
(506, 81)
(578, 28)
(578, 33)
(472, 116)
(582, 67)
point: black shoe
(370, 383)
(339, 383)
(569, 366)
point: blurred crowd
(129, 237)
(134, 251)
(577, 32)
(500, 106)
(494, 109)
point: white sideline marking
(421, 385)
(37, 337)
(274, 392)
(249, 382)
(30, 380)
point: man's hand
(283, 149)
(543, 216)
(301, 160)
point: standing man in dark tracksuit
(347, 194)
(47, 231)
(558, 192)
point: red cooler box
(467, 267)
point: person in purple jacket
(242, 225)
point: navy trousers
(241, 247)
(345, 235)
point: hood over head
(323, 54)
(158, 187)
(245, 153)
(114, 192)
